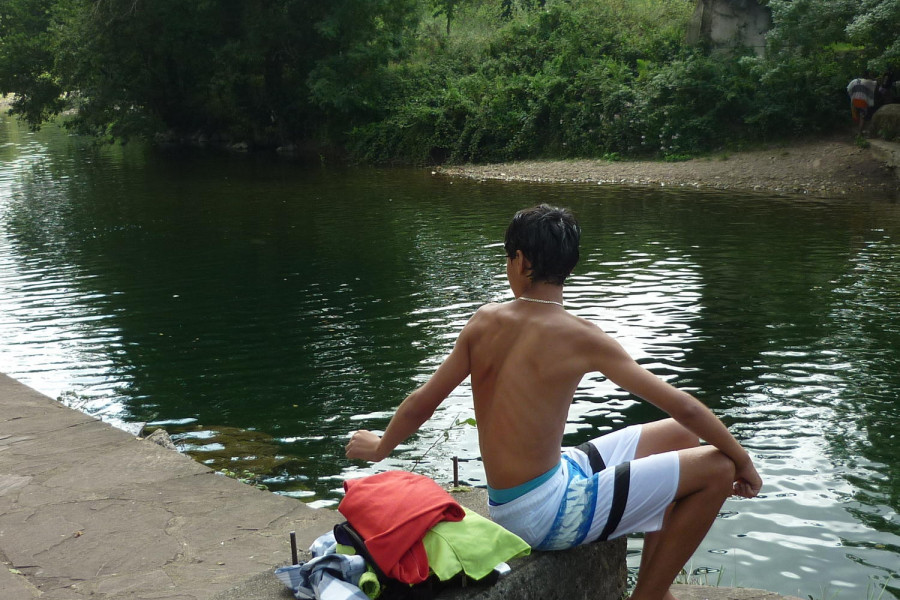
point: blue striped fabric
(576, 511)
(328, 576)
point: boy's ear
(524, 263)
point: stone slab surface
(886, 152)
(701, 592)
(89, 511)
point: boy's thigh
(664, 436)
(635, 441)
(652, 487)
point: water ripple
(261, 311)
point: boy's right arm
(415, 409)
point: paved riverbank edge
(89, 511)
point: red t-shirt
(392, 511)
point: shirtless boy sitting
(526, 358)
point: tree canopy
(869, 27)
(391, 80)
(251, 69)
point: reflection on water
(259, 311)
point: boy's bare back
(526, 358)
(526, 361)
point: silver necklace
(539, 301)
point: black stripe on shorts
(621, 483)
(593, 455)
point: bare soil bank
(832, 167)
(828, 167)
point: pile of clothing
(405, 538)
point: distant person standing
(862, 100)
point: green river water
(260, 310)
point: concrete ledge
(596, 571)
(888, 153)
(702, 592)
(89, 512)
(262, 586)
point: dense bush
(553, 82)
(596, 78)
(261, 71)
(437, 80)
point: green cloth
(368, 583)
(342, 549)
(474, 545)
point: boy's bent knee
(725, 470)
(705, 469)
(664, 436)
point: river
(260, 310)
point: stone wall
(728, 23)
(886, 123)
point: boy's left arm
(415, 409)
(622, 370)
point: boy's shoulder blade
(485, 313)
(491, 308)
(495, 314)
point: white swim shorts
(599, 491)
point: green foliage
(254, 70)
(694, 104)
(553, 82)
(389, 80)
(876, 25)
(448, 8)
(869, 27)
(26, 59)
(609, 77)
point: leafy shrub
(513, 79)
(553, 82)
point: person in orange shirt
(862, 100)
(526, 358)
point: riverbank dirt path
(829, 167)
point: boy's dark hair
(548, 237)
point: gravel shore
(835, 167)
(829, 167)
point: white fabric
(328, 576)
(654, 481)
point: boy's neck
(542, 293)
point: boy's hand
(363, 444)
(747, 481)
